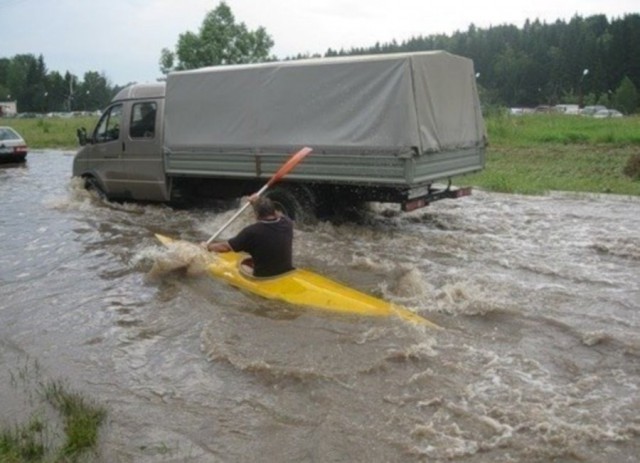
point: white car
(13, 148)
(591, 110)
(601, 114)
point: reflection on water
(539, 295)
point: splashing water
(185, 256)
(538, 362)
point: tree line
(25, 79)
(583, 61)
(590, 60)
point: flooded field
(539, 360)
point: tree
(512, 69)
(17, 76)
(625, 98)
(35, 88)
(94, 92)
(56, 92)
(5, 92)
(220, 41)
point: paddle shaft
(235, 216)
(284, 170)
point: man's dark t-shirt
(269, 243)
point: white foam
(177, 255)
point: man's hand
(221, 246)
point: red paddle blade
(288, 166)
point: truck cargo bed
(404, 170)
(397, 119)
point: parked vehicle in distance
(13, 148)
(591, 110)
(569, 109)
(604, 113)
(543, 109)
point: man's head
(263, 208)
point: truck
(391, 128)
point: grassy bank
(536, 170)
(527, 154)
(533, 154)
(43, 133)
(557, 129)
(62, 426)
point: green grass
(583, 168)
(24, 444)
(541, 129)
(43, 133)
(535, 154)
(39, 440)
(81, 419)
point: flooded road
(539, 361)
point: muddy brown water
(539, 361)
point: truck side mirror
(82, 136)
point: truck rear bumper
(431, 195)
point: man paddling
(268, 241)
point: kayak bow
(304, 288)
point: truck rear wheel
(297, 203)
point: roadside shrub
(565, 138)
(632, 169)
(45, 126)
(606, 138)
(499, 183)
(575, 137)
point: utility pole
(581, 94)
(71, 79)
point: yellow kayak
(304, 288)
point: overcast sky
(123, 38)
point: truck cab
(122, 157)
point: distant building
(8, 108)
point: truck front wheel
(92, 184)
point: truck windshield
(108, 128)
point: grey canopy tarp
(425, 101)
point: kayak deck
(305, 288)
